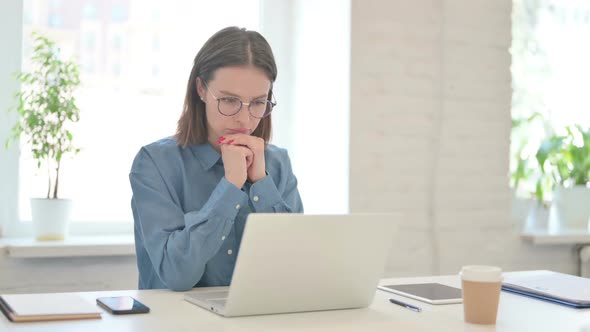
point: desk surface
(169, 312)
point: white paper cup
(481, 293)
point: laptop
(298, 262)
(551, 286)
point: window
(119, 12)
(134, 70)
(54, 21)
(90, 11)
(89, 42)
(550, 71)
(135, 61)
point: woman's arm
(267, 195)
(180, 244)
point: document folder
(551, 286)
(46, 307)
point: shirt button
(223, 238)
(237, 206)
(255, 198)
(229, 252)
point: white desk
(169, 312)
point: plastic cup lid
(481, 273)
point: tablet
(432, 293)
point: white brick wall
(430, 128)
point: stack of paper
(42, 307)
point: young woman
(192, 192)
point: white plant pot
(572, 207)
(520, 211)
(537, 218)
(51, 218)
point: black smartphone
(121, 305)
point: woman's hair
(231, 46)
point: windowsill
(541, 237)
(73, 246)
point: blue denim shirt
(189, 219)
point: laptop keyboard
(218, 298)
(213, 295)
(218, 302)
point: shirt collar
(206, 155)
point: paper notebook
(551, 286)
(43, 307)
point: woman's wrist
(236, 182)
(257, 178)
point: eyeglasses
(230, 106)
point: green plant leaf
(46, 104)
(548, 148)
(539, 190)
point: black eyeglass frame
(269, 103)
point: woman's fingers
(255, 144)
(236, 161)
(249, 158)
(255, 163)
(244, 151)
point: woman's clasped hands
(243, 158)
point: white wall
(276, 22)
(321, 57)
(430, 128)
(311, 42)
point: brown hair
(231, 46)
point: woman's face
(247, 83)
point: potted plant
(565, 159)
(47, 108)
(530, 210)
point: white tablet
(432, 293)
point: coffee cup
(481, 293)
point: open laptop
(298, 262)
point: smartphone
(121, 305)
